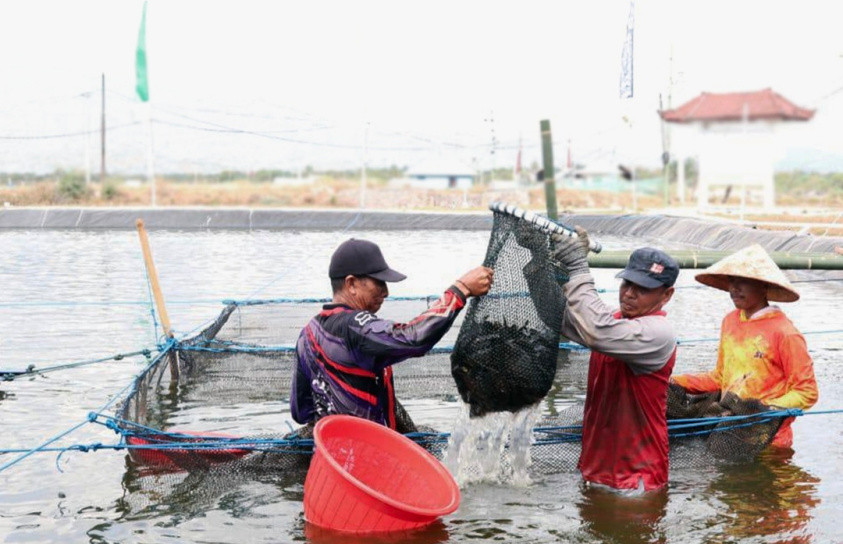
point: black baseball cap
(650, 268)
(361, 258)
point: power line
(66, 134)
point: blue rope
(39, 448)
(322, 300)
(821, 412)
(91, 417)
(151, 307)
(231, 346)
(250, 348)
(198, 442)
(69, 303)
(9, 375)
(31, 370)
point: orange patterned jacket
(764, 357)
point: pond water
(76, 295)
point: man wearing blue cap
(624, 442)
(345, 354)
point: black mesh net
(225, 411)
(505, 355)
(745, 431)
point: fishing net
(224, 412)
(222, 397)
(218, 403)
(730, 427)
(505, 356)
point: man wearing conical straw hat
(761, 355)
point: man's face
(370, 293)
(636, 300)
(747, 295)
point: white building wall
(730, 153)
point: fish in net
(504, 358)
(726, 437)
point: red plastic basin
(367, 478)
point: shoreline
(237, 218)
(672, 224)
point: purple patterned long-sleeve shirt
(345, 358)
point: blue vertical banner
(626, 55)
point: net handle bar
(541, 223)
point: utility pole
(665, 156)
(491, 121)
(363, 170)
(90, 127)
(102, 134)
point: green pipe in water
(704, 259)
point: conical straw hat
(754, 263)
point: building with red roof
(752, 106)
(732, 135)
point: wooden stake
(158, 296)
(153, 279)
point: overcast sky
(253, 84)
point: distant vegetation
(70, 187)
(269, 175)
(810, 184)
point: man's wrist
(578, 268)
(463, 287)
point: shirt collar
(763, 313)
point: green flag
(141, 80)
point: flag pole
(627, 81)
(364, 168)
(102, 135)
(142, 88)
(150, 172)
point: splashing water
(492, 448)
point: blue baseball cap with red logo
(650, 268)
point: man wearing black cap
(624, 442)
(345, 354)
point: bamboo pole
(547, 160)
(156, 293)
(704, 259)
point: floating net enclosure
(225, 407)
(219, 401)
